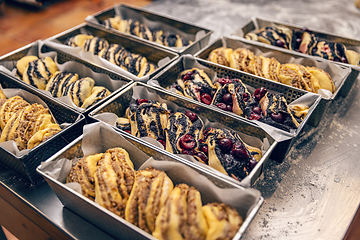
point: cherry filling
(245, 97)
(225, 145)
(224, 81)
(187, 142)
(277, 117)
(251, 164)
(188, 76)
(239, 151)
(280, 43)
(202, 156)
(192, 116)
(140, 101)
(206, 98)
(259, 93)
(162, 142)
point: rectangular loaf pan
(251, 133)
(102, 76)
(341, 75)
(25, 164)
(200, 34)
(98, 137)
(153, 53)
(352, 44)
(285, 139)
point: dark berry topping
(192, 116)
(188, 152)
(222, 106)
(239, 151)
(188, 76)
(204, 149)
(140, 101)
(206, 98)
(128, 131)
(224, 80)
(277, 117)
(227, 98)
(162, 142)
(344, 60)
(202, 157)
(280, 43)
(252, 163)
(259, 93)
(257, 110)
(254, 116)
(229, 108)
(187, 142)
(245, 97)
(225, 145)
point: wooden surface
(21, 24)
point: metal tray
(110, 222)
(120, 103)
(11, 58)
(153, 53)
(258, 22)
(169, 75)
(186, 27)
(283, 57)
(25, 165)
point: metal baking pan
(152, 52)
(25, 165)
(111, 223)
(285, 139)
(340, 80)
(36, 48)
(352, 44)
(157, 19)
(121, 102)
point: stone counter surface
(314, 193)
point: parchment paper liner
(143, 93)
(308, 99)
(31, 98)
(98, 137)
(126, 13)
(100, 79)
(89, 56)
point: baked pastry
(23, 63)
(223, 221)
(2, 95)
(182, 216)
(184, 131)
(38, 72)
(306, 42)
(28, 125)
(134, 27)
(114, 179)
(221, 56)
(79, 90)
(195, 84)
(148, 119)
(229, 154)
(311, 79)
(78, 40)
(149, 193)
(95, 45)
(231, 95)
(96, 95)
(59, 81)
(272, 109)
(10, 107)
(83, 173)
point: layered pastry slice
(229, 154)
(223, 221)
(79, 90)
(242, 59)
(148, 119)
(59, 81)
(148, 195)
(222, 56)
(272, 109)
(182, 216)
(84, 173)
(114, 179)
(195, 84)
(38, 72)
(184, 132)
(231, 95)
(276, 36)
(10, 107)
